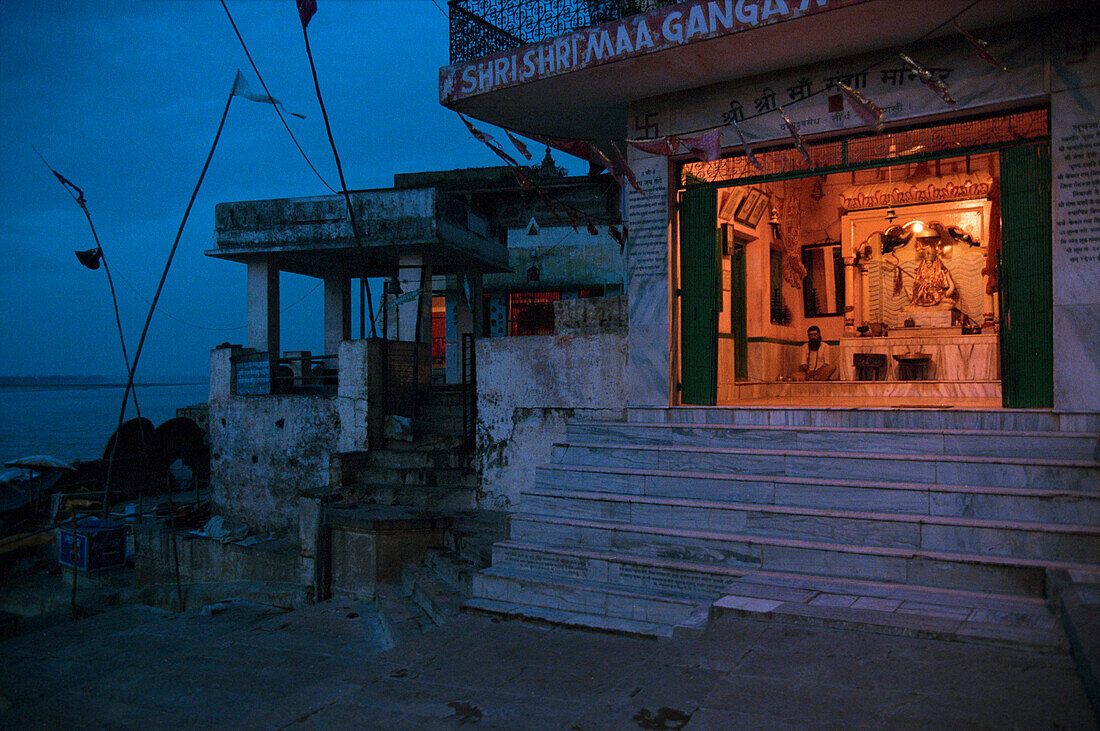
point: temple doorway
(928, 280)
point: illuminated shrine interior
(896, 261)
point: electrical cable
(274, 106)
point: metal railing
(484, 27)
(257, 374)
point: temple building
(861, 282)
(848, 232)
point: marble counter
(955, 357)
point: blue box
(92, 545)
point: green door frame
(1025, 276)
(700, 294)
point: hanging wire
(208, 329)
(274, 106)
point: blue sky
(124, 99)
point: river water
(75, 422)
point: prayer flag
(241, 88)
(306, 9)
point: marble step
(1077, 543)
(1001, 621)
(586, 596)
(745, 552)
(871, 418)
(982, 443)
(672, 575)
(930, 469)
(1041, 504)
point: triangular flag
(241, 88)
(745, 146)
(306, 9)
(619, 158)
(798, 141)
(980, 47)
(519, 145)
(866, 109)
(928, 79)
(664, 146)
(709, 144)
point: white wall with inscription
(1075, 194)
(647, 263)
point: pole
(156, 296)
(364, 285)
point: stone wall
(528, 388)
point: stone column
(460, 321)
(337, 312)
(851, 311)
(263, 306)
(414, 272)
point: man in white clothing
(817, 364)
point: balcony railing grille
(484, 27)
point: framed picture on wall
(748, 205)
(733, 200)
(753, 217)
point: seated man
(817, 364)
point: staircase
(431, 470)
(923, 522)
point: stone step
(929, 469)
(415, 476)
(876, 418)
(1077, 543)
(582, 620)
(745, 552)
(454, 569)
(587, 597)
(959, 442)
(436, 497)
(1011, 622)
(435, 597)
(1043, 504)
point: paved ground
(327, 666)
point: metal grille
(924, 141)
(408, 373)
(484, 27)
(531, 313)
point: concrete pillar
(460, 321)
(850, 308)
(263, 306)
(415, 272)
(850, 296)
(337, 312)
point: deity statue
(932, 283)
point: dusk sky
(124, 100)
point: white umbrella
(41, 463)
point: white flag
(241, 88)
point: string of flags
(708, 145)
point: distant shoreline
(43, 384)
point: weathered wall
(528, 388)
(264, 449)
